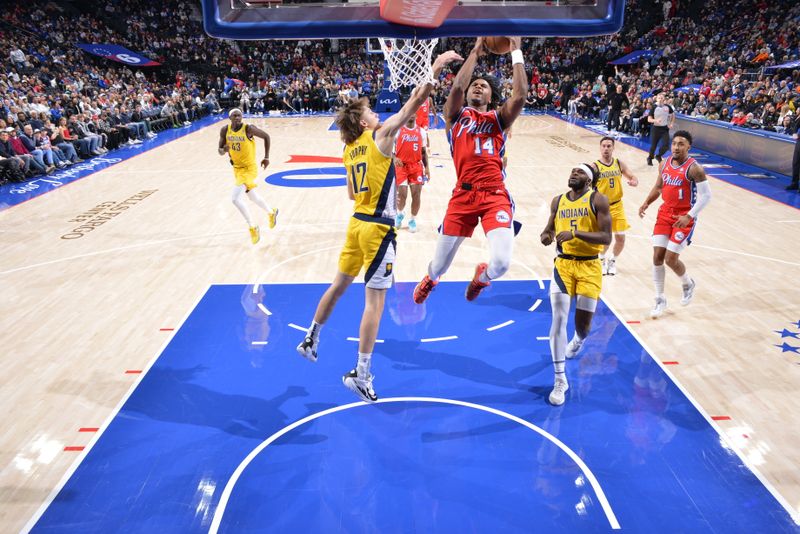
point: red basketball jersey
(679, 191)
(422, 114)
(408, 147)
(477, 143)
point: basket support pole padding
(420, 13)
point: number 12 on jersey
(358, 175)
(487, 147)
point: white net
(409, 60)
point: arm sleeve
(703, 198)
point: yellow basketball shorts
(246, 176)
(373, 247)
(575, 277)
(618, 221)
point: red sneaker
(424, 289)
(476, 286)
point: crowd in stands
(59, 104)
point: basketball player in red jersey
(411, 168)
(423, 118)
(475, 129)
(683, 186)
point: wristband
(516, 57)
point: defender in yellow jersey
(608, 181)
(580, 223)
(238, 141)
(370, 239)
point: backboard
(300, 19)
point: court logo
(502, 217)
(102, 213)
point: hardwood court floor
(77, 313)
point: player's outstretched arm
(223, 141)
(255, 131)
(549, 232)
(513, 106)
(455, 100)
(385, 135)
(633, 181)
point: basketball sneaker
(574, 347)
(603, 266)
(688, 293)
(658, 309)
(611, 267)
(557, 396)
(476, 286)
(361, 386)
(308, 349)
(398, 220)
(424, 289)
(255, 234)
(412, 226)
(273, 217)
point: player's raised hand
(480, 47)
(516, 43)
(445, 58)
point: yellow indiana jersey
(610, 181)
(577, 215)
(241, 149)
(370, 175)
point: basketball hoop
(409, 61)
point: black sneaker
(308, 349)
(792, 187)
(658, 159)
(360, 386)
(650, 161)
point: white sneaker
(658, 309)
(688, 293)
(361, 386)
(574, 347)
(560, 387)
(611, 267)
(308, 349)
(412, 226)
(398, 220)
(603, 266)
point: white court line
(501, 325)
(542, 338)
(264, 309)
(356, 339)
(259, 342)
(729, 251)
(535, 304)
(226, 493)
(296, 327)
(789, 222)
(74, 467)
(432, 339)
(794, 514)
(725, 174)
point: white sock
(558, 333)
(685, 279)
(364, 359)
(238, 201)
(313, 330)
(658, 279)
(259, 201)
(611, 257)
(602, 256)
(577, 339)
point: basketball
(498, 45)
